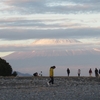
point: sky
(24, 21)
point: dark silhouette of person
(35, 74)
(90, 72)
(68, 71)
(99, 71)
(96, 72)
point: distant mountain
(23, 74)
(41, 60)
(55, 42)
(50, 53)
(61, 54)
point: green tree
(5, 68)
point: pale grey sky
(23, 21)
(31, 19)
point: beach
(36, 88)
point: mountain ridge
(49, 53)
(55, 42)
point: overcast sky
(23, 21)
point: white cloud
(96, 49)
(90, 40)
(2, 54)
(50, 21)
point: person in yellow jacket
(51, 72)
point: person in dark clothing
(96, 72)
(68, 71)
(35, 74)
(90, 72)
(99, 72)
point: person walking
(90, 72)
(68, 71)
(51, 74)
(79, 72)
(96, 72)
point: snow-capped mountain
(55, 42)
(50, 53)
(35, 61)
(55, 52)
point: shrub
(14, 73)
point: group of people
(68, 72)
(51, 72)
(97, 72)
(36, 74)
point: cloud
(96, 49)
(2, 54)
(52, 6)
(27, 15)
(36, 19)
(14, 34)
(25, 6)
(24, 46)
(49, 21)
